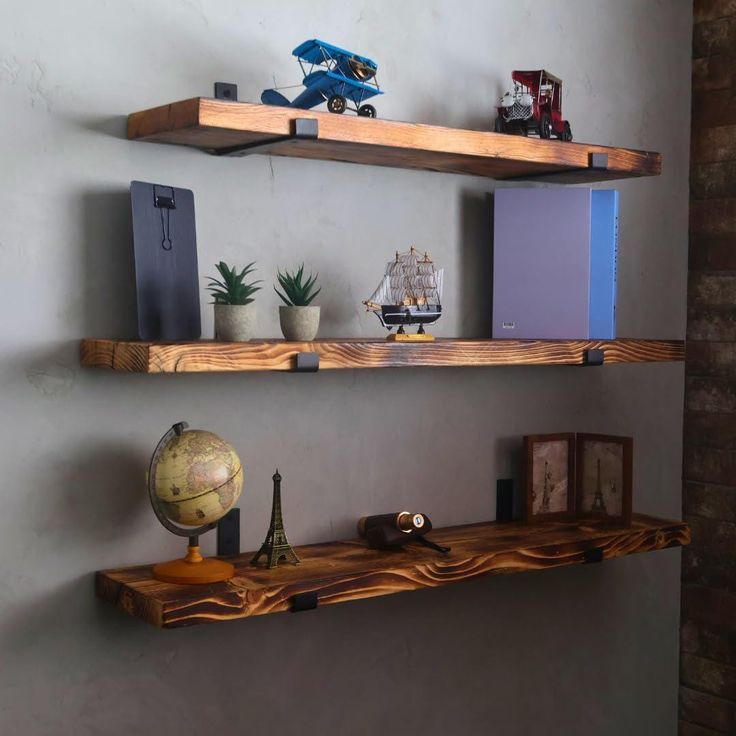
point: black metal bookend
(306, 363)
(228, 534)
(302, 129)
(504, 500)
(594, 356)
(593, 555)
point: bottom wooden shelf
(348, 570)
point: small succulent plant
(232, 289)
(296, 293)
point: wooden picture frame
(604, 469)
(549, 460)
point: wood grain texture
(279, 355)
(349, 570)
(214, 124)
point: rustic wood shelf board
(213, 125)
(279, 355)
(349, 570)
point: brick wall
(708, 635)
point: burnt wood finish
(349, 570)
(278, 355)
(214, 125)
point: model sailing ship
(410, 293)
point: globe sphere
(198, 478)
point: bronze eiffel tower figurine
(276, 547)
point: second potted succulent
(299, 320)
(235, 315)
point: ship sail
(409, 280)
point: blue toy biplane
(333, 75)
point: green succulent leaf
(231, 287)
(295, 293)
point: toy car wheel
(567, 132)
(545, 126)
(498, 126)
(337, 104)
(367, 111)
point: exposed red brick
(714, 37)
(707, 710)
(715, 180)
(709, 560)
(709, 466)
(693, 729)
(710, 642)
(713, 254)
(713, 217)
(716, 395)
(711, 9)
(713, 144)
(711, 430)
(708, 632)
(702, 605)
(708, 676)
(716, 359)
(711, 324)
(714, 72)
(713, 109)
(709, 501)
(712, 289)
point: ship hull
(393, 315)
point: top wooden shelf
(220, 127)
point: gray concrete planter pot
(235, 322)
(299, 324)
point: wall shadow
(476, 263)
(108, 265)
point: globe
(198, 478)
(194, 479)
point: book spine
(603, 257)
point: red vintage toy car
(534, 106)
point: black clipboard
(166, 272)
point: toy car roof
(534, 74)
(313, 52)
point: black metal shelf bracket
(594, 356)
(306, 601)
(306, 363)
(302, 129)
(596, 162)
(226, 91)
(593, 555)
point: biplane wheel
(498, 125)
(337, 104)
(566, 132)
(545, 126)
(367, 111)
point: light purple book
(543, 240)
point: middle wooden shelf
(278, 355)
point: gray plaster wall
(576, 651)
